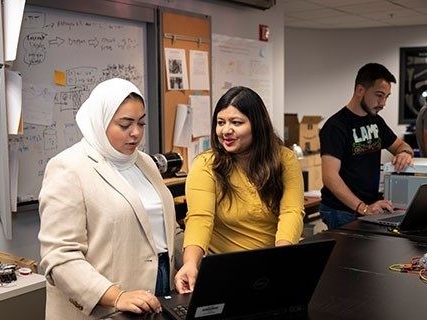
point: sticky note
(59, 78)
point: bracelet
(357, 208)
(118, 297)
(365, 209)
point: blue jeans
(162, 283)
(334, 218)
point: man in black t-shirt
(421, 130)
(351, 141)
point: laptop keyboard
(393, 219)
(180, 311)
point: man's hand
(401, 161)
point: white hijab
(95, 115)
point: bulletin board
(62, 55)
(189, 32)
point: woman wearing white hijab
(108, 235)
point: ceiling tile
(342, 14)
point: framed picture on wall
(412, 83)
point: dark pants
(162, 283)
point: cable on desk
(417, 265)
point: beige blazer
(95, 232)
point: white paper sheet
(13, 173)
(13, 13)
(176, 69)
(37, 104)
(199, 70)
(201, 109)
(182, 130)
(13, 101)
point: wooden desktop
(357, 282)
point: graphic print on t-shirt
(366, 139)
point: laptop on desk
(412, 220)
(271, 283)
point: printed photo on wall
(176, 69)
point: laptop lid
(269, 282)
(414, 218)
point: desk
(359, 226)
(24, 298)
(357, 283)
(311, 208)
(177, 188)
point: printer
(400, 187)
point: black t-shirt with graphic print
(357, 141)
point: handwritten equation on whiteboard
(86, 49)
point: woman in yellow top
(246, 192)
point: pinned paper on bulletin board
(201, 110)
(176, 69)
(199, 70)
(198, 146)
(183, 126)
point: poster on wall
(241, 62)
(413, 83)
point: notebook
(256, 284)
(411, 220)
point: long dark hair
(265, 168)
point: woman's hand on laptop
(137, 301)
(185, 278)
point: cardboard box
(309, 133)
(312, 165)
(291, 134)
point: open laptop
(256, 284)
(411, 220)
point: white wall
(321, 66)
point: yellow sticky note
(59, 78)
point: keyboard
(393, 219)
(180, 311)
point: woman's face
(126, 128)
(234, 130)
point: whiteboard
(61, 56)
(242, 62)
